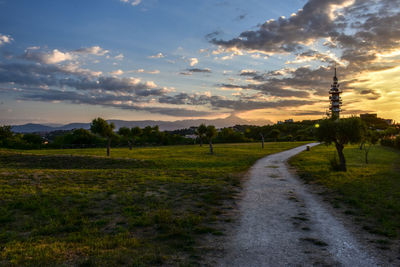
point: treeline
(8, 139)
(152, 136)
(388, 134)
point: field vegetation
(370, 192)
(140, 207)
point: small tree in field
(210, 134)
(135, 132)
(275, 134)
(101, 127)
(127, 134)
(130, 134)
(341, 132)
(200, 132)
(262, 140)
(370, 139)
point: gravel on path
(282, 224)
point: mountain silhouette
(229, 121)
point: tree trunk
(201, 140)
(342, 159)
(262, 140)
(362, 145)
(366, 153)
(130, 145)
(108, 146)
(211, 147)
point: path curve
(282, 224)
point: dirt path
(281, 224)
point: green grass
(370, 192)
(148, 206)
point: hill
(163, 125)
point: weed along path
(282, 224)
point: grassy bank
(370, 192)
(148, 206)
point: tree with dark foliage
(200, 132)
(101, 127)
(341, 132)
(210, 134)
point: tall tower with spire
(335, 99)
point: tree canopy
(341, 132)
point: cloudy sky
(72, 60)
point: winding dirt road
(281, 224)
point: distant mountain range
(163, 125)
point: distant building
(191, 136)
(389, 121)
(286, 121)
(335, 99)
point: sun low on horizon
(72, 61)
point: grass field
(370, 192)
(148, 206)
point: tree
(340, 132)
(211, 132)
(101, 127)
(200, 132)
(275, 134)
(135, 132)
(262, 140)
(5, 132)
(370, 138)
(33, 139)
(127, 134)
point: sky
(71, 60)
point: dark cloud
(199, 70)
(288, 34)
(371, 94)
(241, 104)
(255, 75)
(213, 34)
(185, 73)
(53, 75)
(121, 102)
(310, 113)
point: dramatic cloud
(27, 75)
(361, 37)
(109, 100)
(314, 21)
(289, 67)
(233, 104)
(4, 39)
